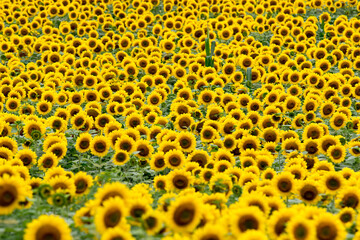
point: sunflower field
(179, 119)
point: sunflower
(284, 183)
(34, 129)
(83, 142)
(111, 190)
(48, 227)
(245, 219)
(134, 120)
(179, 179)
(338, 120)
(249, 142)
(102, 120)
(290, 145)
(328, 226)
(348, 197)
(309, 191)
(59, 149)
(199, 156)
(48, 160)
(13, 191)
(300, 228)
(99, 146)
(347, 216)
(112, 214)
(27, 156)
(311, 147)
(160, 182)
(327, 141)
(78, 121)
(187, 141)
(116, 233)
(336, 153)
(354, 148)
(57, 123)
(144, 148)
(120, 157)
(270, 134)
(157, 161)
(184, 213)
(327, 109)
(208, 134)
(313, 131)
(210, 231)
(278, 221)
(83, 183)
(43, 107)
(221, 183)
(13, 104)
(63, 183)
(125, 143)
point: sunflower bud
(45, 191)
(35, 134)
(278, 148)
(237, 190)
(58, 199)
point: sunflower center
(81, 186)
(174, 161)
(144, 151)
(7, 197)
(284, 185)
(336, 153)
(150, 222)
(325, 232)
(159, 163)
(112, 218)
(137, 212)
(180, 182)
(84, 144)
(248, 222)
(184, 215)
(120, 157)
(309, 193)
(48, 163)
(346, 217)
(300, 232)
(100, 147)
(26, 160)
(350, 201)
(185, 143)
(160, 185)
(207, 134)
(281, 225)
(48, 232)
(333, 184)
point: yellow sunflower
(13, 191)
(112, 214)
(184, 214)
(99, 146)
(47, 227)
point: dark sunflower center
(184, 215)
(180, 182)
(284, 185)
(48, 232)
(112, 218)
(7, 197)
(100, 147)
(81, 186)
(248, 222)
